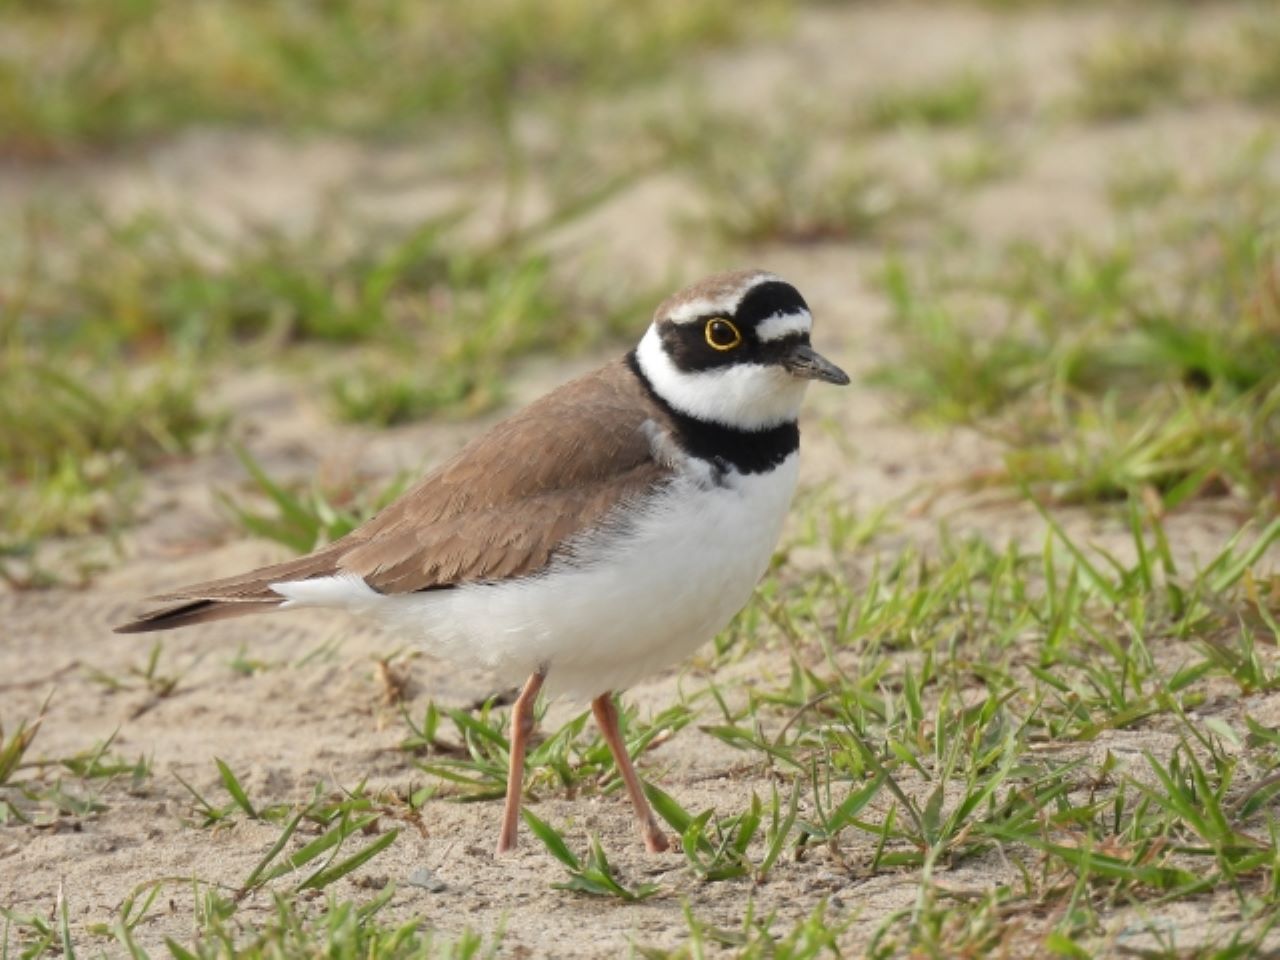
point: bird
(598, 535)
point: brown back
(502, 507)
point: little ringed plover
(600, 534)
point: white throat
(748, 396)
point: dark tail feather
(196, 611)
(231, 596)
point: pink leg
(521, 727)
(606, 714)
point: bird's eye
(722, 334)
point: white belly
(624, 609)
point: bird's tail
(195, 611)
(233, 596)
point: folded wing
(505, 506)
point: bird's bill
(805, 362)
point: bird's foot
(655, 841)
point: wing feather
(505, 506)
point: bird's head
(734, 349)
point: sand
(315, 710)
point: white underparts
(749, 396)
(641, 592)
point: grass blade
(327, 875)
(232, 784)
(551, 839)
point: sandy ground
(316, 713)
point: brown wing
(501, 508)
(505, 504)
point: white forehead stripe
(688, 312)
(784, 325)
(749, 396)
(705, 306)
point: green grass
(1151, 362)
(295, 930)
(320, 842)
(418, 300)
(72, 443)
(342, 928)
(1042, 747)
(762, 186)
(172, 289)
(594, 877)
(1129, 74)
(1181, 444)
(930, 717)
(66, 790)
(428, 326)
(1256, 61)
(962, 747)
(307, 518)
(952, 101)
(758, 938)
(489, 314)
(475, 766)
(389, 392)
(1142, 183)
(108, 327)
(74, 77)
(978, 163)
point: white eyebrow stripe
(694, 309)
(783, 325)
(725, 306)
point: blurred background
(262, 262)
(380, 210)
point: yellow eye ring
(721, 334)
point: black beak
(804, 361)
